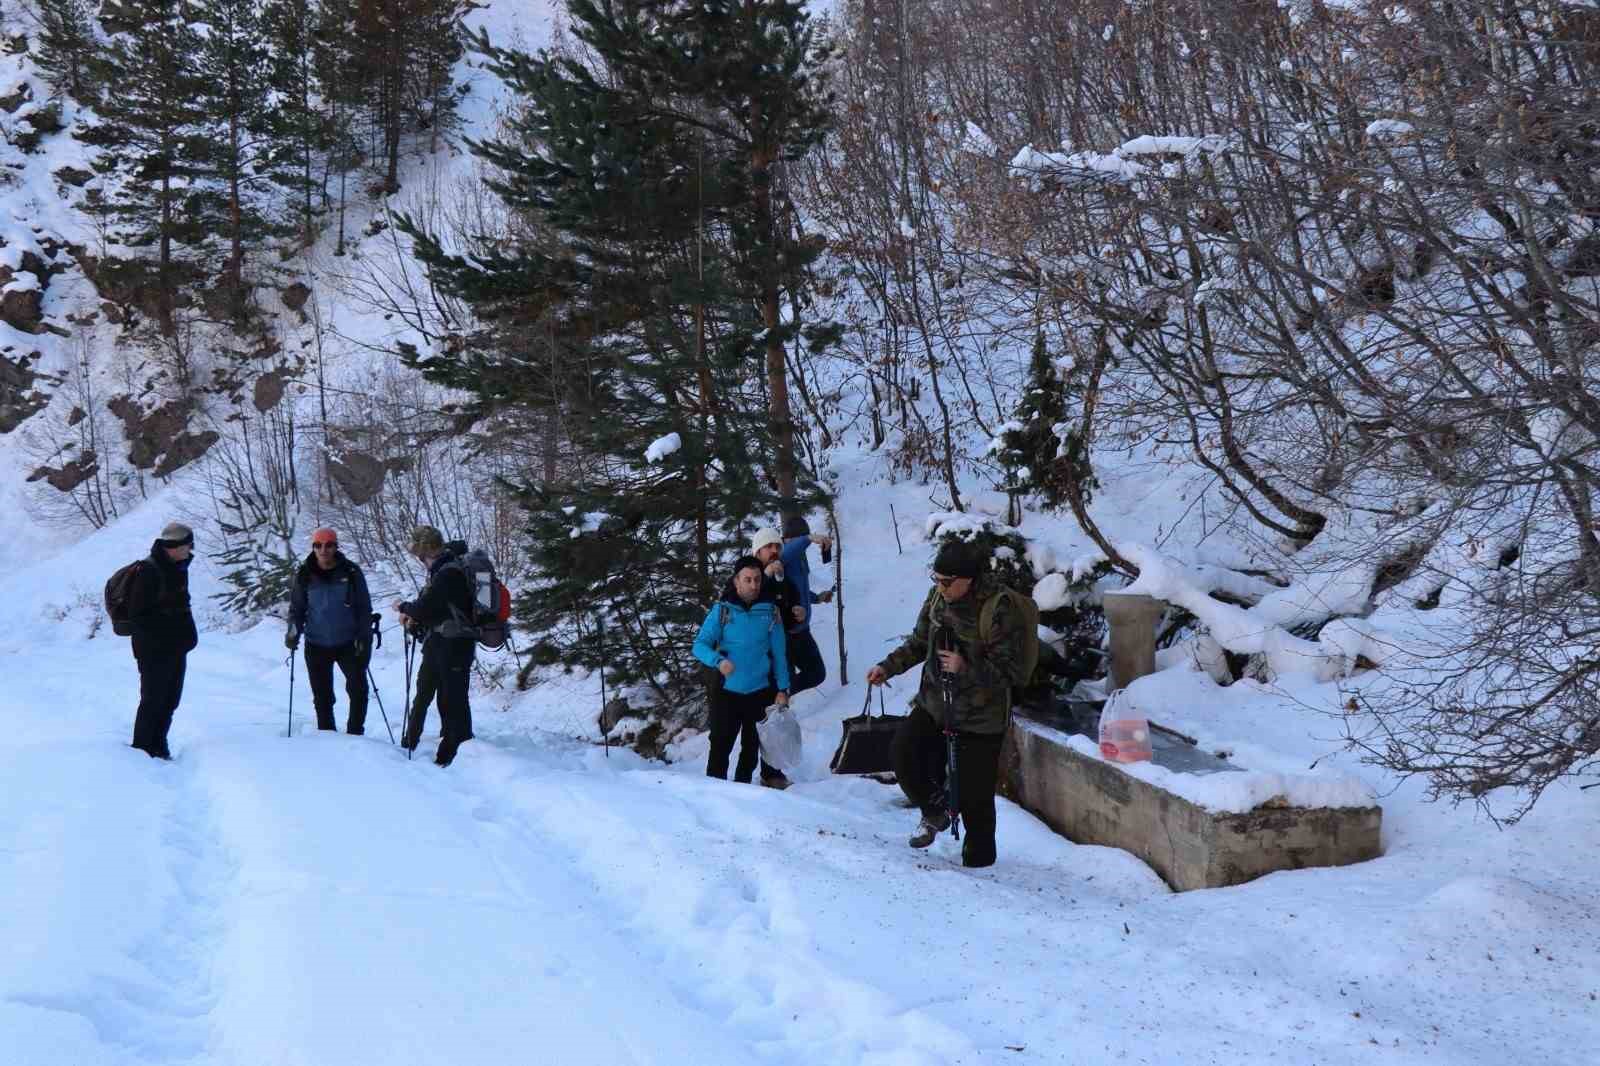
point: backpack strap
(724, 616)
(986, 614)
(148, 565)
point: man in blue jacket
(804, 655)
(329, 604)
(742, 639)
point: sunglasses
(320, 544)
(944, 582)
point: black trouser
(160, 689)
(919, 754)
(806, 668)
(447, 667)
(417, 714)
(319, 669)
(733, 717)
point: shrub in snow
(1070, 608)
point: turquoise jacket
(752, 637)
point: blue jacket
(750, 636)
(331, 607)
(797, 570)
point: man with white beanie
(163, 635)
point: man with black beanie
(163, 635)
(980, 668)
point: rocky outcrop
(21, 301)
(358, 474)
(11, 101)
(22, 288)
(269, 389)
(296, 295)
(19, 400)
(159, 439)
(185, 449)
(69, 476)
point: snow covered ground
(320, 899)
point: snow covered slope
(320, 899)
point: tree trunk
(778, 413)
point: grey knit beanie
(176, 535)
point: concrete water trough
(1091, 801)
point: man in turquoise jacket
(742, 639)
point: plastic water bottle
(1124, 731)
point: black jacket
(163, 623)
(782, 593)
(447, 587)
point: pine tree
(382, 28)
(440, 44)
(67, 46)
(342, 78)
(646, 274)
(237, 146)
(300, 123)
(150, 127)
(1029, 444)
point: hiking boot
(931, 826)
(777, 781)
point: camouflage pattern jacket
(983, 689)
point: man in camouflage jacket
(946, 639)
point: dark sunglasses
(942, 581)
(320, 544)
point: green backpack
(1028, 618)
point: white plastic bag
(780, 738)
(1124, 730)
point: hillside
(1234, 341)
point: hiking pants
(733, 717)
(160, 689)
(805, 663)
(421, 700)
(319, 669)
(918, 752)
(450, 667)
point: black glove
(361, 649)
(291, 639)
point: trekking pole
(377, 642)
(405, 635)
(600, 633)
(952, 797)
(290, 731)
(381, 711)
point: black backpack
(491, 602)
(119, 593)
